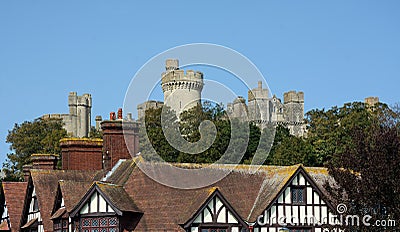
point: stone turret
(294, 112)
(182, 91)
(371, 101)
(78, 121)
(259, 104)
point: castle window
(298, 195)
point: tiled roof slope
(14, 193)
(73, 191)
(118, 196)
(46, 182)
(249, 190)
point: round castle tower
(182, 91)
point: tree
(293, 150)
(27, 138)
(366, 170)
(187, 136)
(95, 133)
(329, 131)
(153, 144)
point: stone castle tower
(78, 122)
(181, 90)
(263, 109)
(294, 112)
(80, 112)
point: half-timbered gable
(12, 199)
(73, 191)
(250, 199)
(105, 208)
(300, 205)
(216, 215)
(42, 189)
(34, 222)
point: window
(298, 195)
(300, 230)
(99, 224)
(214, 230)
(61, 225)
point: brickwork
(117, 146)
(82, 154)
(44, 161)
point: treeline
(329, 132)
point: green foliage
(151, 133)
(38, 136)
(188, 128)
(367, 170)
(329, 132)
(95, 133)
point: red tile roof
(248, 191)
(15, 193)
(46, 182)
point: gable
(59, 201)
(95, 202)
(5, 218)
(300, 201)
(216, 211)
(13, 200)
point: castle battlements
(182, 90)
(293, 96)
(181, 75)
(265, 110)
(77, 123)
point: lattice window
(298, 195)
(300, 230)
(60, 225)
(100, 224)
(214, 230)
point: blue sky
(335, 51)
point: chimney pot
(120, 113)
(112, 116)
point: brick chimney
(44, 161)
(26, 169)
(116, 146)
(81, 154)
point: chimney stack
(26, 169)
(81, 154)
(121, 139)
(44, 161)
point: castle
(263, 110)
(78, 122)
(183, 91)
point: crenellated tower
(294, 111)
(182, 91)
